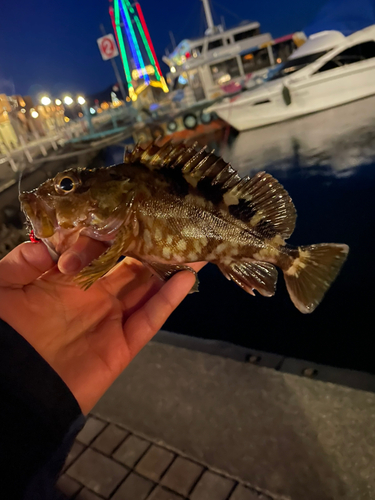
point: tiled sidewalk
(109, 462)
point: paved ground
(185, 424)
(109, 461)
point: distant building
(8, 136)
(21, 119)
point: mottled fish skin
(171, 205)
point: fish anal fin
(252, 275)
(104, 263)
(166, 271)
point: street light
(57, 102)
(68, 100)
(45, 100)
(34, 113)
(81, 100)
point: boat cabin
(209, 62)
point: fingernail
(71, 263)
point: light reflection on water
(341, 138)
(326, 161)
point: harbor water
(326, 161)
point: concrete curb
(348, 378)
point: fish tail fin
(312, 273)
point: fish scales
(172, 205)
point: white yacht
(328, 70)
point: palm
(89, 337)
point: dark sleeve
(39, 418)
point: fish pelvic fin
(251, 275)
(167, 271)
(312, 273)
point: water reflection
(326, 162)
(340, 138)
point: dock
(189, 423)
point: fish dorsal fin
(260, 202)
(263, 204)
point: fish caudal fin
(260, 276)
(313, 272)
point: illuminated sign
(140, 73)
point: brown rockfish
(171, 205)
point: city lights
(81, 100)
(23, 110)
(68, 100)
(58, 102)
(173, 69)
(45, 100)
(92, 111)
(34, 113)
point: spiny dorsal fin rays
(126, 154)
(162, 154)
(186, 154)
(195, 160)
(260, 201)
(134, 155)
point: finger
(125, 276)
(140, 294)
(84, 251)
(117, 281)
(24, 264)
(134, 284)
(150, 317)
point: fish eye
(66, 183)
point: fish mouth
(41, 216)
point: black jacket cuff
(39, 416)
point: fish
(173, 204)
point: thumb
(24, 264)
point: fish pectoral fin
(166, 271)
(104, 263)
(260, 276)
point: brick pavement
(109, 462)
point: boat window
(214, 44)
(292, 65)
(196, 51)
(224, 71)
(196, 84)
(246, 34)
(256, 60)
(282, 50)
(358, 53)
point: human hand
(87, 337)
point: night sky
(51, 46)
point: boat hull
(339, 76)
